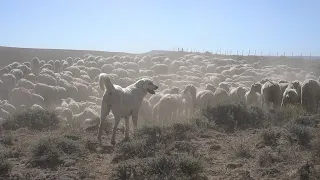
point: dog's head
(147, 85)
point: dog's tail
(105, 82)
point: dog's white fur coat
(124, 102)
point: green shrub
(242, 150)
(301, 133)
(269, 137)
(235, 116)
(5, 165)
(180, 166)
(33, 119)
(49, 151)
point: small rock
(234, 165)
(215, 147)
(69, 162)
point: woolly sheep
(191, 91)
(46, 79)
(160, 69)
(30, 77)
(205, 98)
(225, 86)
(8, 107)
(220, 96)
(25, 69)
(93, 72)
(36, 107)
(297, 86)
(253, 96)
(271, 93)
(48, 66)
(238, 94)
(210, 87)
(4, 70)
(75, 71)
(18, 74)
(4, 114)
(310, 95)
(122, 73)
(25, 84)
(290, 96)
(20, 96)
(9, 81)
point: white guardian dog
(124, 102)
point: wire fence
(248, 53)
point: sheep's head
(256, 87)
(147, 85)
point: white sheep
(253, 96)
(271, 93)
(310, 95)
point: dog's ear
(140, 83)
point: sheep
(25, 84)
(18, 74)
(225, 86)
(145, 111)
(4, 114)
(310, 95)
(238, 94)
(30, 77)
(8, 107)
(205, 98)
(154, 99)
(190, 94)
(8, 83)
(271, 93)
(160, 69)
(220, 96)
(49, 93)
(46, 79)
(168, 107)
(210, 87)
(253, 96)
(25, 69)
(297, 86)
(35, 65)
(36, 107)
(20, 96)
(74, 70)
(290, 96)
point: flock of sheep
(193, 81)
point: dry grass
(180, 151)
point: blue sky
(143, 25)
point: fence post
(310, 56)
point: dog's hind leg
(114, 130)
(105, 110)
(126, 134)
(135, 121)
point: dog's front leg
(114, 130)
(105, 110)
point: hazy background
(142, 25)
